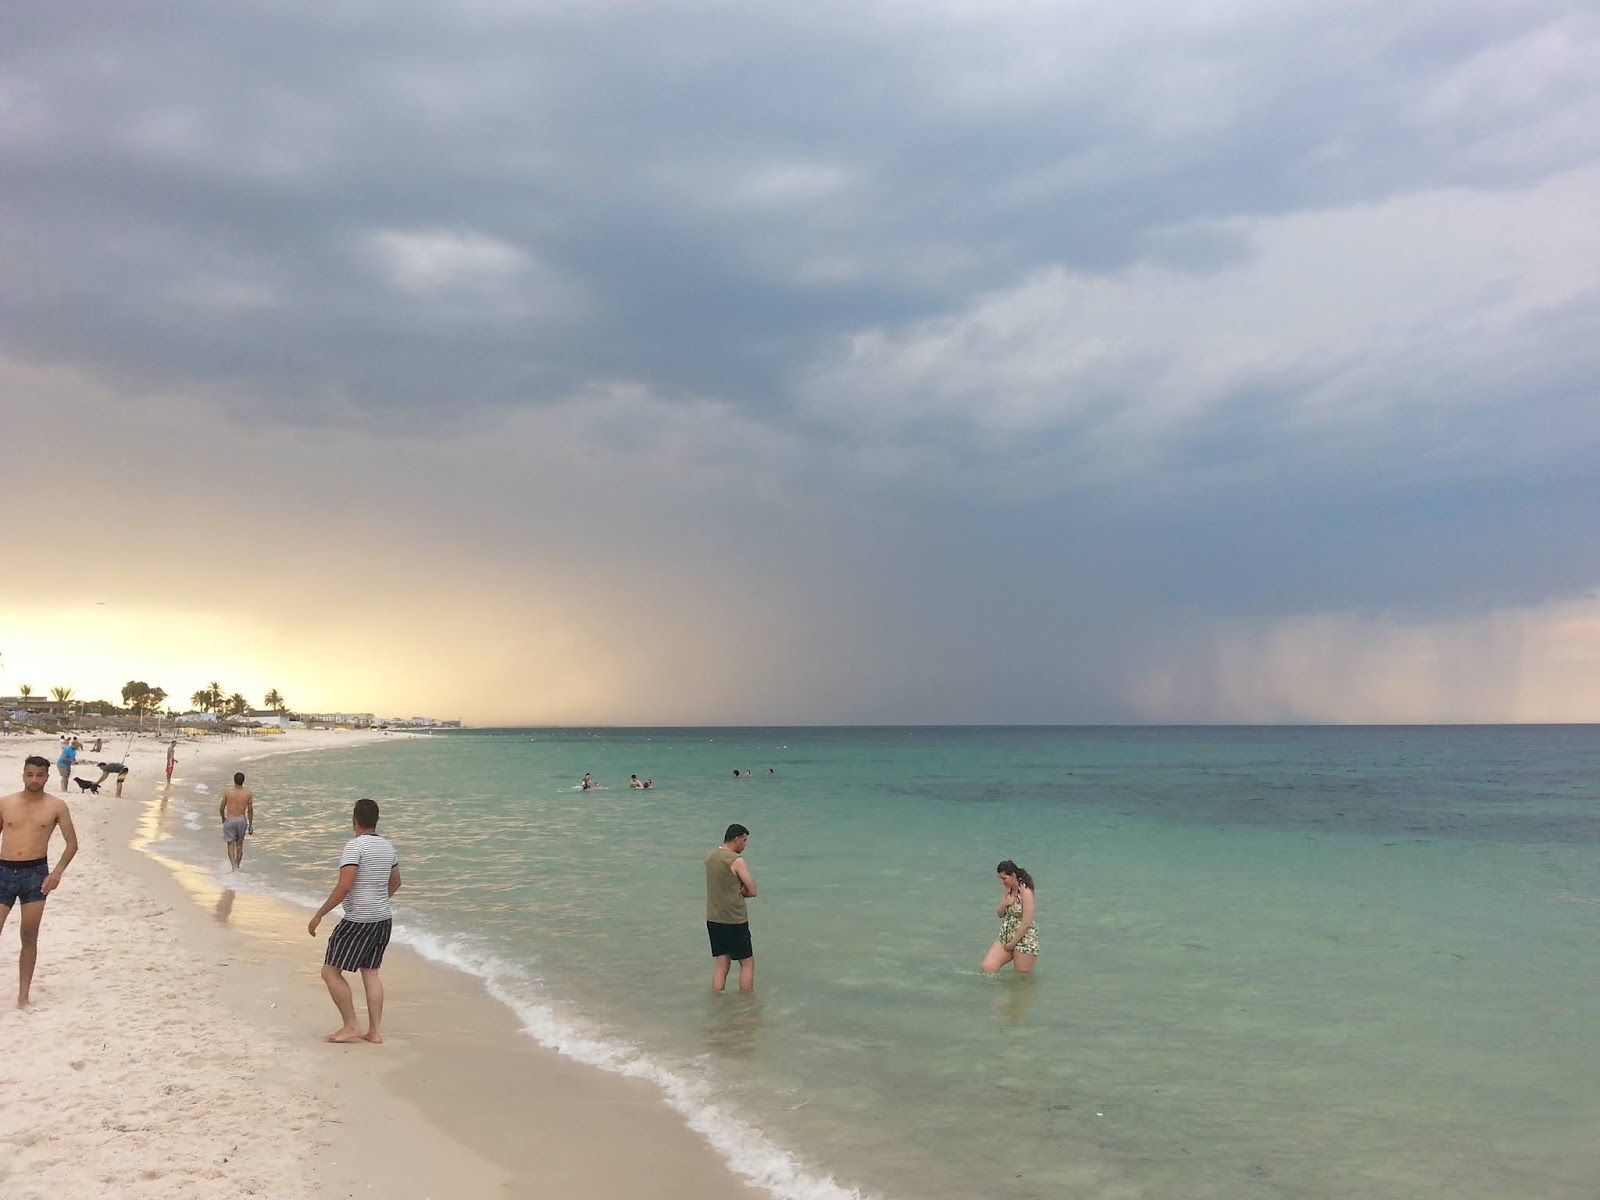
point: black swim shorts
(732, 940)
(358, 945)
(22, 882)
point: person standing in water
(1019, 936)
(728, 885)
(172, 758)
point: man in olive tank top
(728, 885)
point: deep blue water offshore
(1282, 963)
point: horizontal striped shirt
(373, 858)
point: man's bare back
(238, 813)
(238, 802)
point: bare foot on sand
(344, 1035)
(375, 1038)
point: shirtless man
(27, 820)
(238, 813)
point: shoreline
(458, 1101)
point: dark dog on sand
(86, 785)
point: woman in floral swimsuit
(1019, 936)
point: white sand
(132, 1074)
(173, 1048)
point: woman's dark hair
(1010, 868)
(366, 813)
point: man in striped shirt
(369, 873)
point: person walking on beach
(67, 760)
(369, 874)
(1018, 943)
(172, 758)
(728, 885)
(28, 819)
(238, 813)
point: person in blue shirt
(64, 764)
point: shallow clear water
(1275, 962)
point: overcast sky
(838, 362)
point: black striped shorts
(358, 945)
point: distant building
(35, 705)
(346, 720)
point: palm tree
(274, 700)
(238, 705)
(62, 695)
(206, 698)
(25, 690)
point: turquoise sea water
(1275, 962)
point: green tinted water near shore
(1275, 963)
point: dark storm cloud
(702, 196)
(1243, 310)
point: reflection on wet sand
(733, 1023)
(224, 908)
(1016, 999)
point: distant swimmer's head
(238, 779)
(1013, 876)
(366, 814)
(736, 772)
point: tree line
(139, 698)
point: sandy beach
(174, 1046)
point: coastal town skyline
(683, 364)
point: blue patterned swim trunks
(22, 881)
